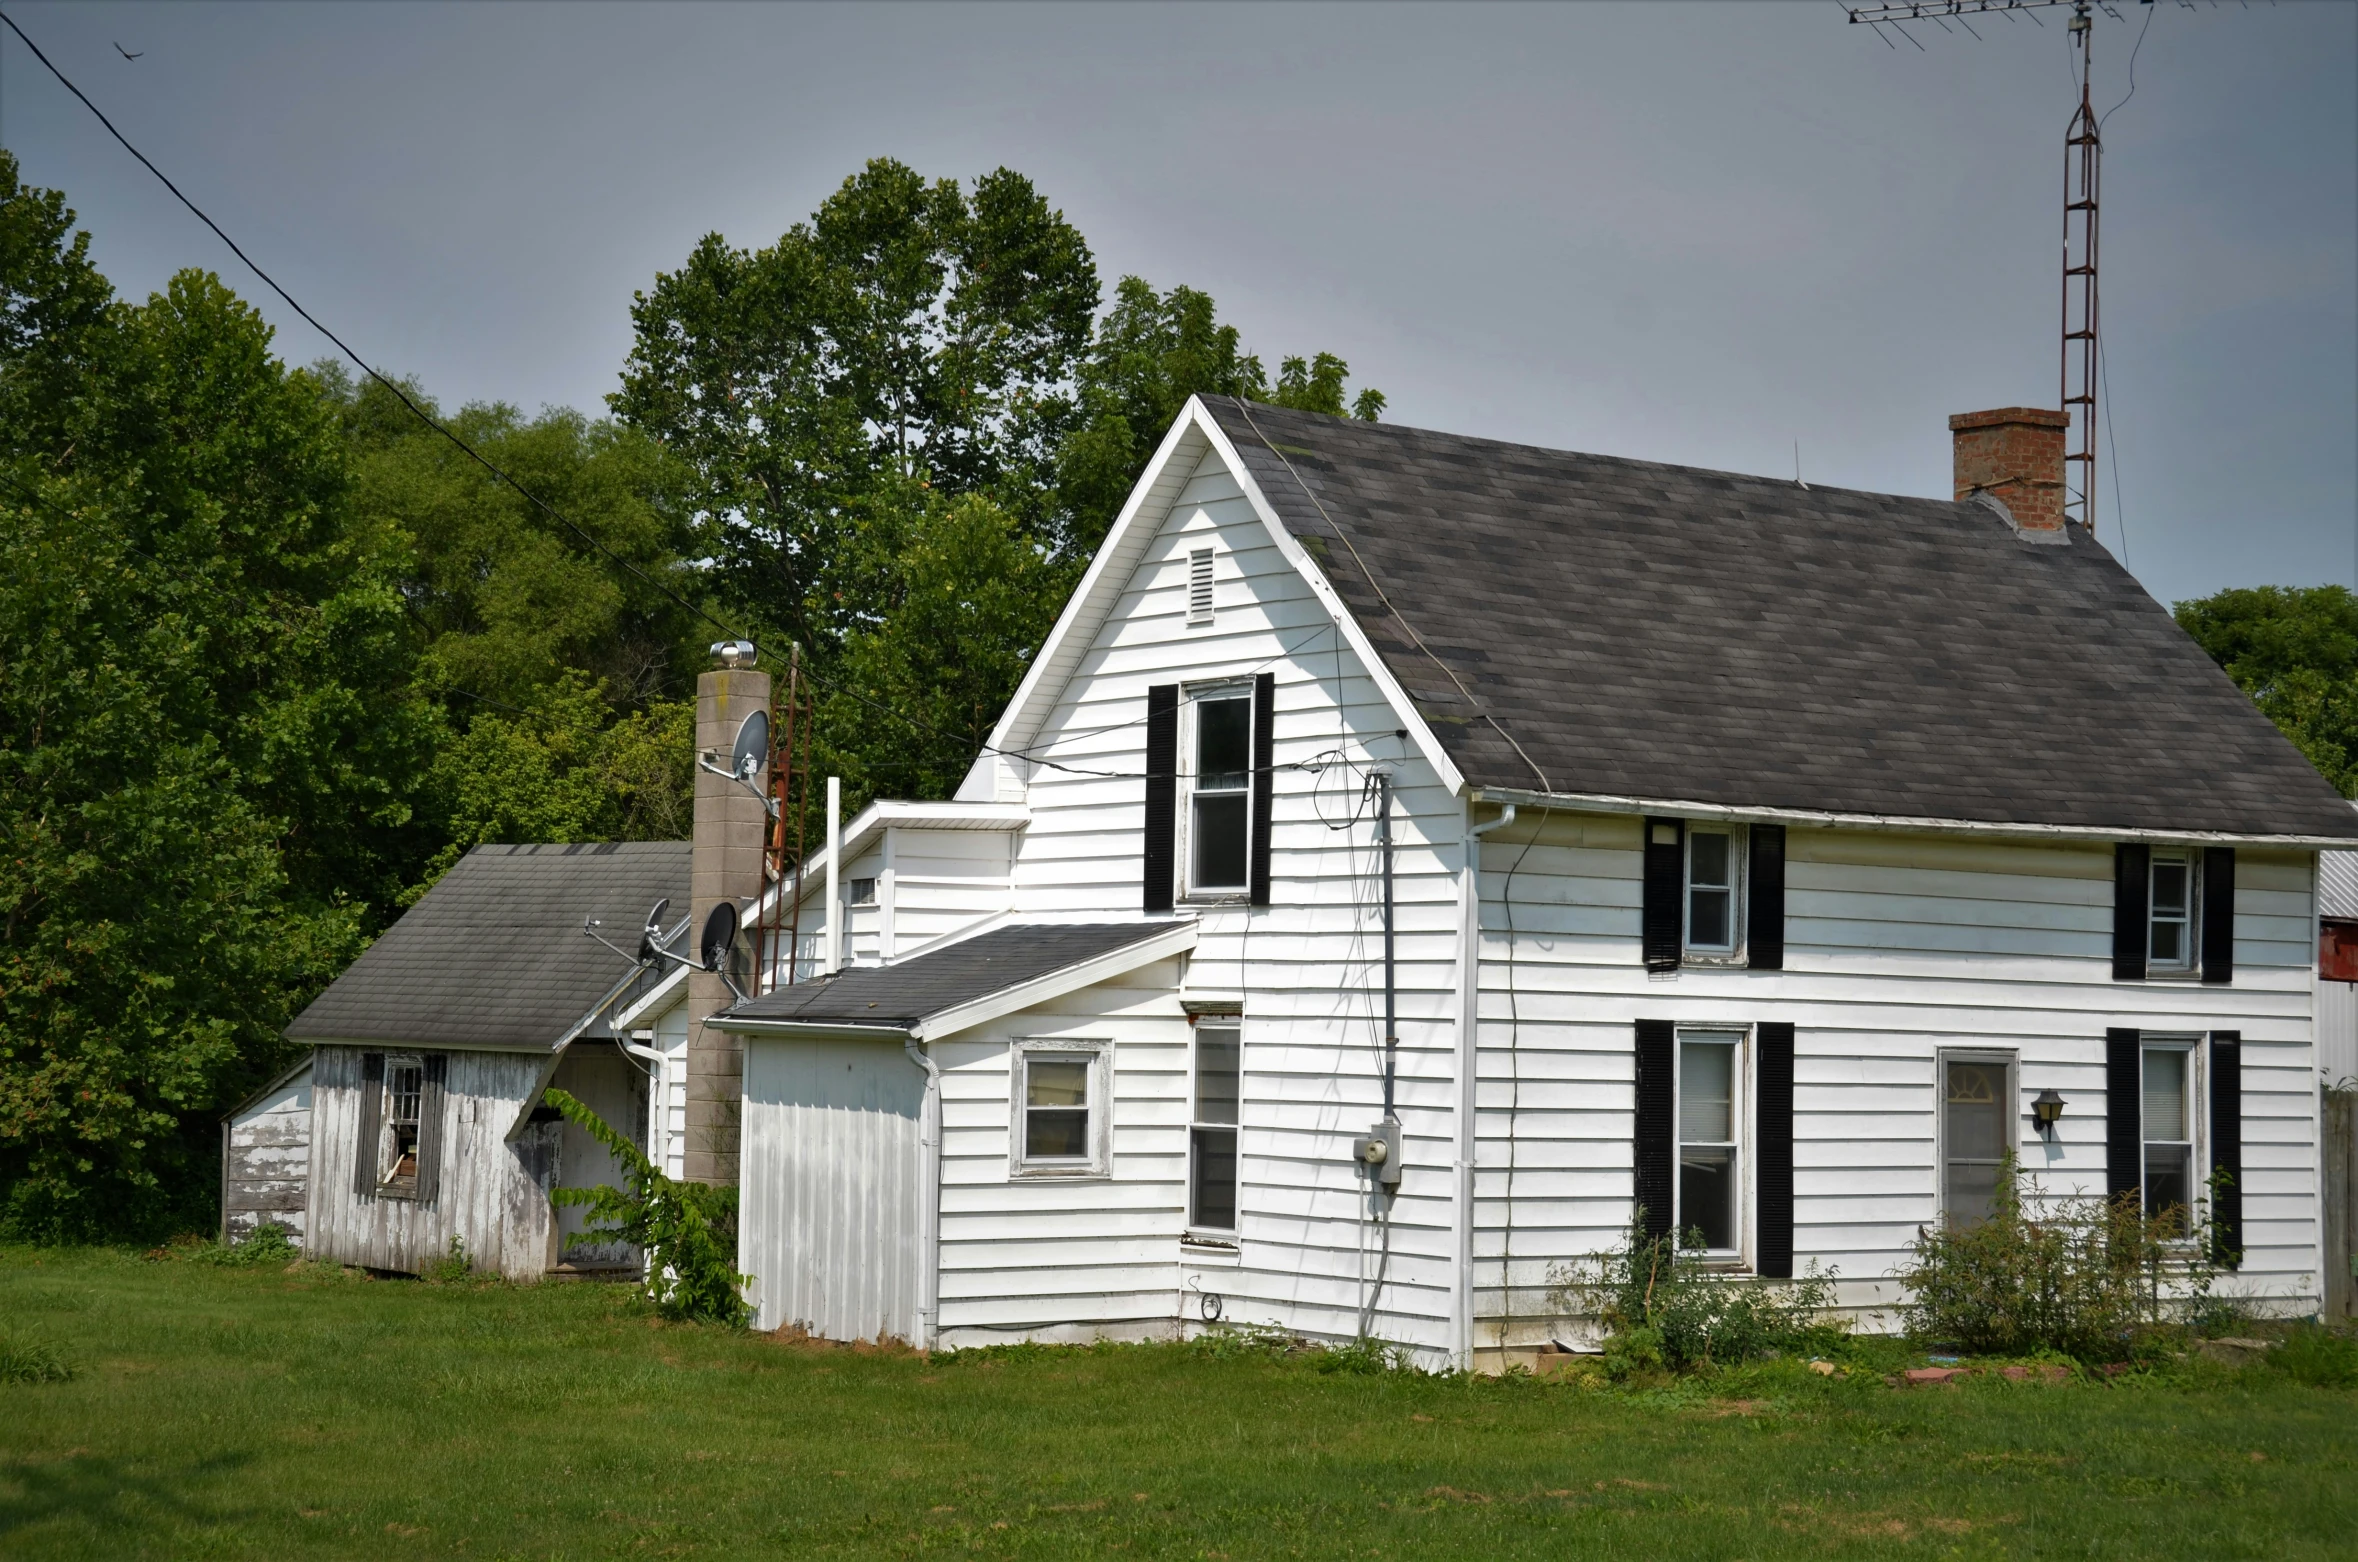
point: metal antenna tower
(2083, 157)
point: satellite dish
(718, 938)
(647, 949)
(752, 750)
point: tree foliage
(2294, 650)
(209, 745)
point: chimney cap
(1999, 417)
(732, 653)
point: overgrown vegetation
(1662, 1308)
(688, 1230)
(2294, 650)
(267, 1244)
(2088, 1277)
(26, 1360)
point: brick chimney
(2014, 454)
(724, 864)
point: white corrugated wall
(829, 1222)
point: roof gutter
(1825, 819)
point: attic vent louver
(1199, 587)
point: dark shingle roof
(1670, 633)
(494, 955)
(901, 995)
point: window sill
(1240, 897)
(398, 1190)
(1735, 962)
(1060, 1174)
(1223, 1251)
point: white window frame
(1233, 1023)
(2009, 1113)
(1732, 952)
(1098, 1162)
(2190, 950)
(2190, 1044)
(386, 1149)
(1202, 580)
(1194, 698)
(1740, 1080)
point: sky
(1723, 235)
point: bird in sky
(126, 53)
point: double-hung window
(1711, 902)
(1060, 1090)
(1211, 1132)
(1220, 794)
(2167, 1101)
(397, 1155)
(1710, 1139)
(2171, 942)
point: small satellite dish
(718, 938)
(752, 749)
(647, 949)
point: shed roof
(905, 995)
(1591, 625)
(494, 955)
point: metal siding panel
(830, 1212)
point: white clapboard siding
(266, 1161)
(829, 1223)
(494, 1194)
(1897, 946)
(667, 1118)
(932, 883)
(1312, 1244)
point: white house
(1758, 853)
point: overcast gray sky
(1688, 232)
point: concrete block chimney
(725, 863)
(2015, 455)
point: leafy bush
(452, 1266)
(267, 1245)
(1663, 1309)
(687, 1230)
(2080, 1275)
(2318, 1357)
(30, 1361)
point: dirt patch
(1739, 1407)
(1452, 1494)
(795, 1337)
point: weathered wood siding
(829, 1223)
(266, 1162)
(614, 1085)
(1315, 1252)
(495, 1192)
(1897, 946)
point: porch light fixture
(2047, 1109)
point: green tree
(209, 747)
(2294, 650)
(1151, 352)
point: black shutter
(2218, 914)
(2124, 1132)
(430, 1097)
(1264, 754)
(2227, 1146)
(1162, 793)
(1663, 923)
(2132, 865)
(372, 1092)
(1774, 1129)
(1656, 1148)
(1764, 937)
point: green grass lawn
(219, 1412)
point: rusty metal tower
(2083, 156)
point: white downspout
(1469, 1035)
(929, 1198)
(834, 951)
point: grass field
(219, 1412)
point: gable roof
(1577, 625)
(494, 955)
(1010, 967)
